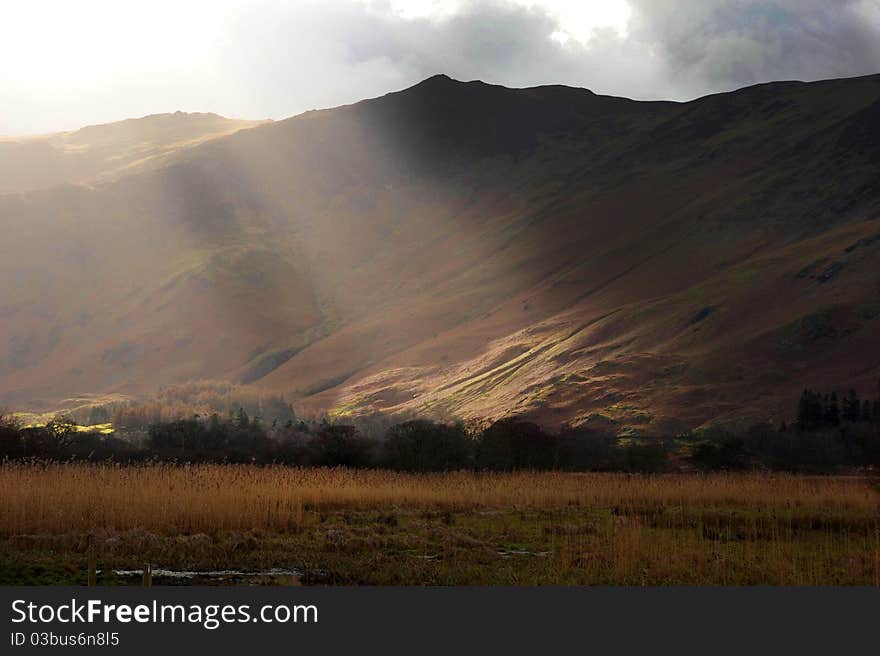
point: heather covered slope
(460, 248)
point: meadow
(367, 526)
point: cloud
(324, 55)
(275, 58)
(712, 45)
(648, 49)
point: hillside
(104, 151)
(467, 249)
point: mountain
(104, 151)
(472, 250)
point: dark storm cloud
(709, 45)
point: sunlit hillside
(466, 249)
(104, 151)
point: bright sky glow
(50, 43)
(69, 63)
(54, 52)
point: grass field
(340, 526)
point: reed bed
(66, 498)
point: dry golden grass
(209, 498)
(378, 527)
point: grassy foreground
(341, 526)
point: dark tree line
(417, 445)
(830, 433)
(818, 411)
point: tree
(515, 444)
(585, 449)
(423, 445)
(241, 418)
(852, 407)
(339, 446)
(62, 430)
(867, 415)
(10, 436)
(98, 415)
(811, 411)
(832, 413)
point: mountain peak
(439, 78)
(441, 81)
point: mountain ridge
(466, 249)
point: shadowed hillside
(461, 248)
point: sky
(65, 64)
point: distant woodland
(832, 432)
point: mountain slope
(104, 151)
(461, 248)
